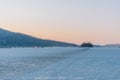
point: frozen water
(60, 64)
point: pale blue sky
(64, 20)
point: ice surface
(60, 64)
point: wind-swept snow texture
(60, 64)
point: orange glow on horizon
(66, 36)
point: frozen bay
(60, 63)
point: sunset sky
(74, 21)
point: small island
(87, 44)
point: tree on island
(87, 44)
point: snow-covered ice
(60, 63)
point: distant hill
(13, 39)
(112, 45)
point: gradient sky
(75, 21)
